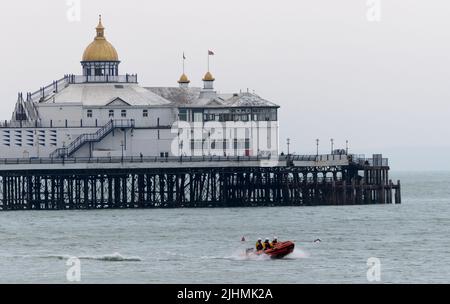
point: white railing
(128, 78)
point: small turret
(208, 81)
(184, 81)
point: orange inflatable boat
(279, 251)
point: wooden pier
(194, 183)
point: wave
(115, 257)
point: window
(89, 113)
(198, 116)
(98, 72)
(209, 117)
(182, 115)
(145, 113)
(247, 143)
(123, 113)
(111, 113)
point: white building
(102, 113)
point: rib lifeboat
(279, 251)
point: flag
(184, 57)
(210, 53)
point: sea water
(411, 242)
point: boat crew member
(259, 245)
(267, 244)
(275, 241)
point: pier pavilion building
(103, 113)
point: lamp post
(122, 145)
(332, 145)
(317, 147)
(288, 146)
(346, 147)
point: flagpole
(184, 59)
(208, 60)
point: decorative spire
(184, 80)
(100, 29)
(208, 79)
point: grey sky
(381, 85)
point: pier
(194, 182)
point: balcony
(78, 79)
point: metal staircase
(93, 137)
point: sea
(407, 243)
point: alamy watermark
(373, 10)
(73, 274)
(74, 10)
(226, 139)
(374, 271)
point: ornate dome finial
(100, 29)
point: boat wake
(297, 254)
(241, 255)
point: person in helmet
(259, 245)
(267, 244)
(275, 241)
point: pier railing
(184, 159)
(82, 123)
(357, 159)
(126, 159)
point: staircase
(93, 137)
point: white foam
(298, 254)
(241, 255)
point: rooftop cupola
(208, 81)
(100, 57)
(184, 81)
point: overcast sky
(334, 72)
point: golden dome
(100, 49)
(184, 79)
(208, 77)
